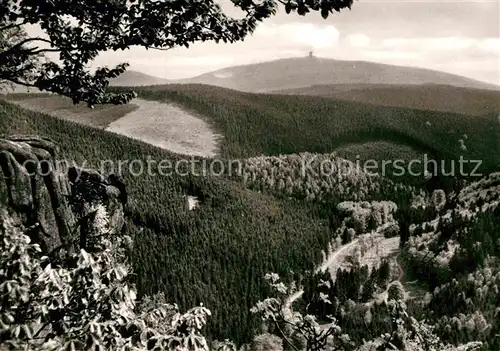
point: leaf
(288, 7)
(27, 331)
(301, 10)
(17, 331)
(9, 317)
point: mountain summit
(300, 72)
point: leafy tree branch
(80, 30)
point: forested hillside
(263, 124)
(432, 97)
(300, 204)
(217, 254)
(271, 217)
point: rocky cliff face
(63, 207)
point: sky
(460, 37)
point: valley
(229, 175)
(215, 237)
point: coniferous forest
(271, 218)
(347, 199)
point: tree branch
(16, 81)
(36, 52)
(28, 51)
(285, 337)
(28, 40)
(159, 49)
(13, 25)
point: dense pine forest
(338, 201)
(256, 124)
(271, 218)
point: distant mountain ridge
(433, 97)
(136, 79)
(305, 74)
(293, 73)
(127, 79)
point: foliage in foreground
(305, 332)
(80, 31)
(85, 302)
(201, 255)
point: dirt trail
(386, 247)
(334, 260)
(337, 257)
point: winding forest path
(334, 260)
(385, 247)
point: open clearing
(373, 251)
(168, 127)
(61, 107)
(163, 125)
(333, 261)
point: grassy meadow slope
(300, 72)
(433, 97)
(255, 124)
(62, 107)
(216, 254)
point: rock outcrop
(61, 206)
